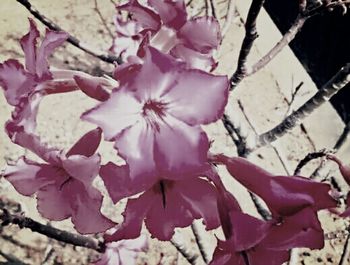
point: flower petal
(86, 204)
(134, 213)
(201, 34)
(92, 87)
(197, 97)
(16, 82)
(28, 44)
(87, 144)
(51, 41)
(119, 184)
(52, 203)
(136, 145)
(120, 111)
(25, 176)
(179, 148)
(172, 13)
(143, 15)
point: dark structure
(323, 45)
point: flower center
(153, 113)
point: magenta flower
(164, 25)
(155, 117)
(63, 185)
(123, 252)
(25, 86)
(284, 195)
(165, 205)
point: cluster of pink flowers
(153, 112)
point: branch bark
(340, 80)
(51, 232)
(108, 58)
(250, 36)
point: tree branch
(183, 251)
(250, 35)
(108, 58)
(341, 79)
(199, 243)
(51, 232)
(309, 157)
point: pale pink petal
(52, 203)
(134, 213)
(87, 144)
(120, 111)
(201, 34)
(82, 168)
(136, 145)
(197, 97)
(180, 148)
(201, 200)
(52, 40)
(86, 203)
(127, 71)
(119, 184)
(92, 87)
(16, 82)
(143, 15)
(28, 43)
(172, 13)
(25, 177)
(193, 58)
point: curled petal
(92, 87)
(87, 144)
(82, 168)
(172, 13)
(52, 40)
(28, 43)
(143, 15)
(201, 34)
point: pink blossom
(165, 26)
(63, 185)
(123, 252)
(165, 204)
(24, 86)
(155, 117)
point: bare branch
(49, 231)
(108, 58)
(229, 17)
(199, 243)
(346, 251)
(103, 20)
(250, 35)
(184, 252)
(341, 79)
(212, 6)
(309, 157)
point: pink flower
(165, 204)
(25, 86)
(123, 252)
(155, 116)
(63, 185)
(164, 25)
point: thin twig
(12, 259)
(340, 80)
(231, 8)
(250, 35)
(199, 243)
(346, 250)
(49, 231)
(109, 58)
(294, 93)
(181, 249)
(103, 20)
(212, 6)
(309, 157)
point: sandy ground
(265, 98)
